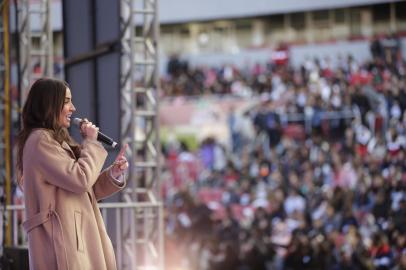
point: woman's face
(67, 110)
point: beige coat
(64, 225)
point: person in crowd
(333, 198)
(62, 182)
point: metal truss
(36, 45)
(140, 129)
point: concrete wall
(172, 11)
(358, 49)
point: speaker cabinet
(15, 258)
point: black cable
(95, 61)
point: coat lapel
(65, 146)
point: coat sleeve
(63, 171)
(106, 185)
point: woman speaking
(62, 182)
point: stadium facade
(231, 26)
(235, 29)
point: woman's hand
(88, 130)
(120, 165)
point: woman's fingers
(121, 164)
(88, 129)
(124, 166)
(121, 154)
(121, 161)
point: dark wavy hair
(42, 108)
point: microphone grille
(77, 121)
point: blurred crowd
(320, 190)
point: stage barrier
(121, 214)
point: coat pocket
(78, 229)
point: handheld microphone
(100, 136)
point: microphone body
(100, 136)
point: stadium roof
(177, 11)
(182, 11)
